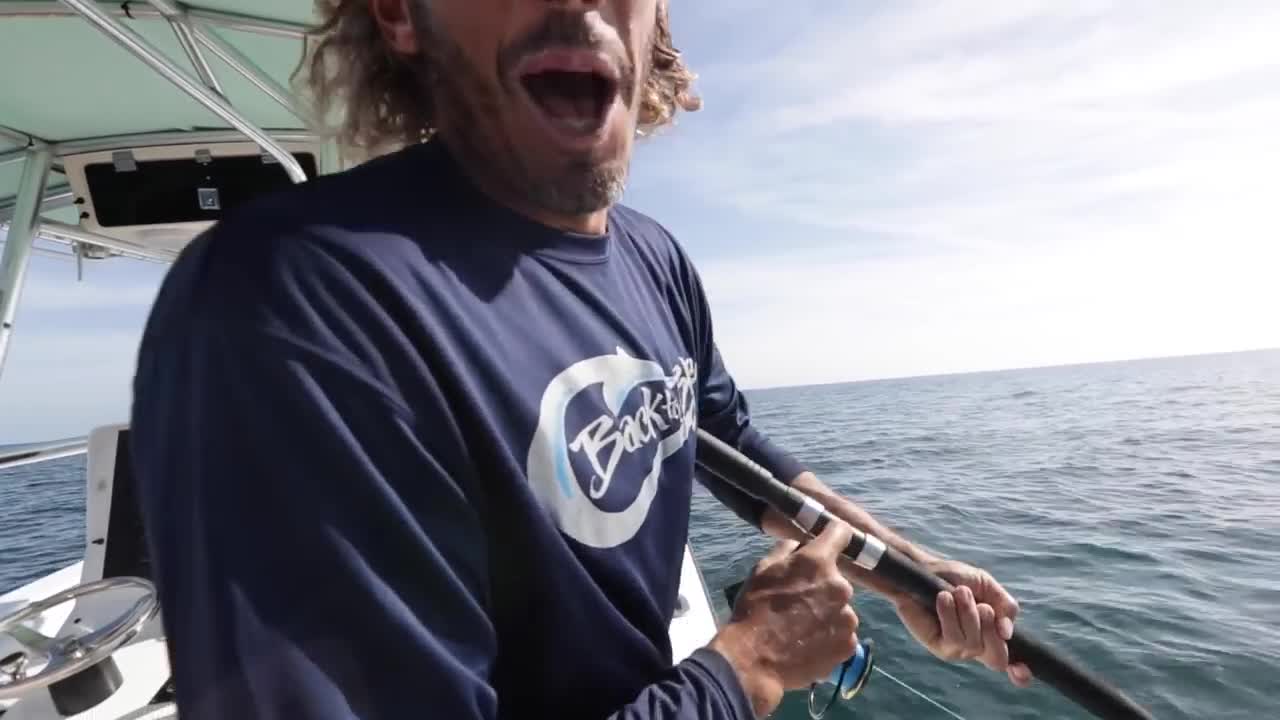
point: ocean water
(1133, 508)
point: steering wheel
(66, 656)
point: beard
(579, 190)
(469, 112)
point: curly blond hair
(349, 67)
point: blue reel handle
(846, 680)
(850, 675)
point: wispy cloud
(977, 121)
(1129, 142)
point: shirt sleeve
(316, 542)
(723, 411)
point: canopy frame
(55, 197)
(132, 41)
(190, 22)
(20, 240)
(194, 28)
(134, 9)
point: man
(415, 440)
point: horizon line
(1021, 368)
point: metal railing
(22, 212)
(150, 55)
(30, 454)
(138, 10)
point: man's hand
(792, 622)
(972, 622)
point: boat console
(87, 642)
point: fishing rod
(1056, 669)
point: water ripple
(1134, 508)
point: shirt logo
(637, 415)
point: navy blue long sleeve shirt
(404, 453)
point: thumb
(779, 552)
(832, 541)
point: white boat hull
(144, 663)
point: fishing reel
(844, 682)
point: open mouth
(573, 94)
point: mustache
(568, 29)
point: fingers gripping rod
(1056, 669)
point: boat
(126, 129)
(196, 96)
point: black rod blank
(1053, 667)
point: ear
(395, 20)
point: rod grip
(1048, 665)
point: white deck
(696, 626)
(144, 662)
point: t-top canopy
(89, 79)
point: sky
(895, 188)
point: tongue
(576, 109)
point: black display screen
(183, 190)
